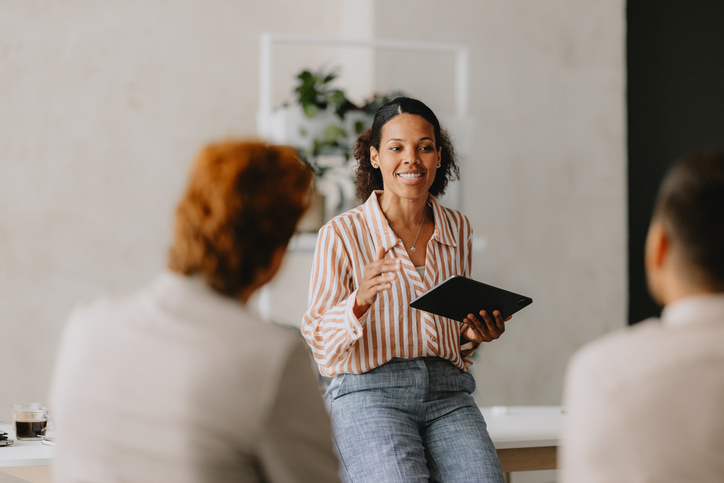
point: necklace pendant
(412, 249)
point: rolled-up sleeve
(471, 346)
(330, 326)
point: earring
(439, 165)
(374, 166)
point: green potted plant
(326, 131)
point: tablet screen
(458, 296)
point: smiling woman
(369, 178)
(407, 157)
(401, 393)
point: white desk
(27, 460)
(526, 437)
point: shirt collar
(191, 294)
(385, 237)
(695, 309)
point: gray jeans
(410, 421)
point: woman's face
(407, 157)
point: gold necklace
(412, 245)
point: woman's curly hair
(243, 202)
(369, 179)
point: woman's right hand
(377, 277)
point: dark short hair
(690, 206)
(242, 203)
(369, 179)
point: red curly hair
(243, 202)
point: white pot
(313, 218)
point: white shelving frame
(266, 126)
(268, 40)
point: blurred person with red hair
(180, 381)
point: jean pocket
(468, 383)
(335, 388)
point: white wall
(104, 105)
(545, 180)
(545, 183)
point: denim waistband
(424, 378)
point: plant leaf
(332, 133)
(359, 126)
(310, 109)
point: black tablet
(458, 296)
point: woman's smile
(413, 176)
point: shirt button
(433, 338)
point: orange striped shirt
(390, 328)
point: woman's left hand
(484, 328)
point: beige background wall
(545, 179)
(105, 104)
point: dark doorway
(675, 64)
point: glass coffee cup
(30, 421)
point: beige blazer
(646, 404)
(178, 383)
